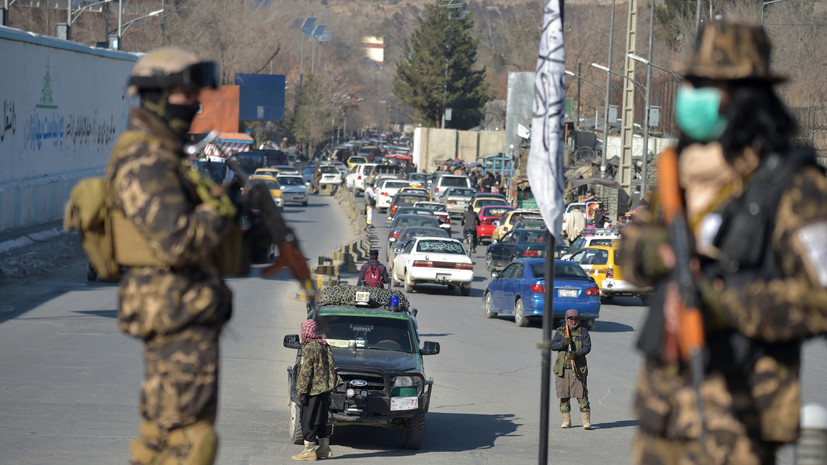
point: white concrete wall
(63, 106)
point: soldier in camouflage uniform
(172, 297)
(757, 208)
(572, 343)
(315, 380)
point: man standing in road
(373, 273)
(315, 380)
(575, 224)
(370, 202)
(165, 231)
(572, 343)
(755, 208)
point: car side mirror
(495, 274)
(413, 312)
(496, 223)
(291, 341)
(430, 348)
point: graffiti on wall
(8, 123)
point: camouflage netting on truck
(345, 294)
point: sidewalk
(21, 237)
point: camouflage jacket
(774, 312)
(146, 182)
(316, 371)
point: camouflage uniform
(178, 307)
(754, 323)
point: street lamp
(307, 26)
(123, 27)
(638, 86)
(763, 4)
(581, 78)
(649, 63)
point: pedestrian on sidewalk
(373, 273)
(572, 343)
(315, 380)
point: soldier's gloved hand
(304, 399)
(570, 356)
(566, 342)
(715, 313)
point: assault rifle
(290, 254)
(571, 349)
(684, 340)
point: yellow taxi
(600, 262)
(417, 189)
(271, 184)
(355, 160)
(272, 172)
(508, 220)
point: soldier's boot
(587, 424)
(308, 454)
(566, 420)
(323, 451)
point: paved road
(68, 393)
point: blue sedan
(520, 290)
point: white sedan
(293, 188)
(385, 192)
(433, 260)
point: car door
(500, 297)
(599, 266)
(512, 284)
(509, 248)
(399, 262)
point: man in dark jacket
(572, 343)
(470, 221)
(373, 273)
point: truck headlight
(406, 385)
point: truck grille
(375, 382)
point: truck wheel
(413, 431)
(295, 429)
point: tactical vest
(579, 361)
(745, 242)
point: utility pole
(606, 106)
(579, 73)
(648, 101)
(627, 132)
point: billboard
(261, 97)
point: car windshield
(461, 192)
(450, 247)
(434, 207)
(535, 237)
(561, 270)
(484, 202)
(494, 212)
(409, 233)
(290, 181)
(359, 331)
(269, 184)
(415, 220)
(455, 182)
(408, 199)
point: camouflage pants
(179, 399)
(654, 450)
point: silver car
(457, 199)
(293, 188)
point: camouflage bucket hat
(730, 50)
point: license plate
(362, 296)
(404, 403)
(443, 277)
(567, 292)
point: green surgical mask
(696, 111)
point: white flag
(545, 159)
(523, 131)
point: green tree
(310, 122)
(437, 71)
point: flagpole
(548, 322)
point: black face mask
(177, 117)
